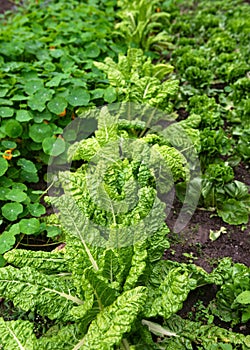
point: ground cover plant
(98, 290)
(46, 72)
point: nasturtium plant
(38, 132)
(78, 97)
(57, 105)
(27, 165)
(29, 226)
(23, 115)
(3, 166)
(13, 128)
(10, 211)
(36, 209)
(53, 146)
(16, 195)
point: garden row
(107, 286)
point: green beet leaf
(44, 261)
(244, 297)
(32, 290)
(17, 335)
(109, 326)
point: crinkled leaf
(168, 298)
(31, 290)
(115, 320)
(42, 261)
(17, 335)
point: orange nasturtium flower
(8, 154)
(62, 114)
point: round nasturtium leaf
(23, 115)
(36, 209)
(29, 226)
(16, 195)
(3, 192)
(28, 176)
(39, 99)
(53, 146)
(33, 85)
(6, 112)
(19, 186)
(92, 50)
(69, 135)
(8, 144)
(3, 165)
(78, 97)
(13, 128)
(27, 165)
(38, 132)
(11, 210)
(57, 105)
(7, 241)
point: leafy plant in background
(142, 25)
(230, 197)
(135, 79)
(232, 302)
(102, 290)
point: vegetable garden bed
(86, 264)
